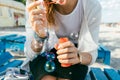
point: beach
(109, 37)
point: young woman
(63, 17)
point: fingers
(69, 61)
(37, 19)
(65, 45)
(66, 56)
(67, 53)
(37, 15)
(37, 12)
(36, 25)
(67, 50)
(56, 46)
(33, 5)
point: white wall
(5, 19)
(7, 7)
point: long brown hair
(50, 8)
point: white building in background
(12, 13)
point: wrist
(39, 38)
(80, 58)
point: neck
(67, 8)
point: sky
(110, 11)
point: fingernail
(59, 47)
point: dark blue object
(106, 74)
(50, 65)
(5, 61)
(14, 42)
(2, 46)
(119, 72)
(3, 41)
(104, 53)
(97, 74)
(13, 38)
(6, 36)
(112, 74)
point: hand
(37, 18)
(67, 53)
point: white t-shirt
(70, 23)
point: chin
(60, 2)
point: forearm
(33, 48)
(30, 54)
(36, 46)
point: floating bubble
(49, 66)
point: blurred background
(12, 13)
(12, 20)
